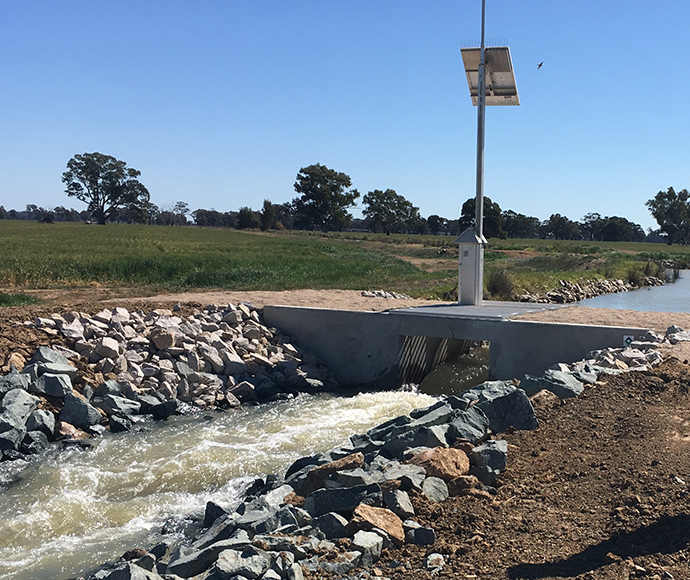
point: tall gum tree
(105, 184)
(326, 195)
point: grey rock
(563, 385)
(381, 432)
(126, 571)
(11, 437)
(45, 354)
(41, 420)
(57, 368)
(399, 503)
(212, 512)
(434, 562)
(435, 489)
(13, 380)
(370, 545)
(504, 406)
(34, 442)
(79, 413)
(332, 525)
(165, 409)
(115, 405)
(108, 387)
(351, 478)
(119, 424)
(434, 436)
(438, 414)
(250, 563)
(345, 562)
(471, 424)
(244, 391)
(342, 501)
(191, 562)
(420, 536)
(410, 476)
(223, 528)
(260, 522)
(15, 408)
(52, 385)
(108, 347)
(489, 461)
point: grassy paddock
(36, 255)
(43, 255)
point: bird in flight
(540, 65)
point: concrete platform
(489, 310)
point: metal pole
(481, 98)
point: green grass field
(37, 255)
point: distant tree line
(113, 193)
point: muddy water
(67, 512)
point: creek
(671, 297)
(66, 512)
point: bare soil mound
(598, 491)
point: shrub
(500, 285)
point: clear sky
(219, 103)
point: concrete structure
(364, 347)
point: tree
(246, 219)
(389, 212)
(493, 218)
(181, 208)
(268, 216)
(325, 197)
(517, 225)
(106, 184)
(436, 224)
(561, 228)
(671, 211)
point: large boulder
(445, 463)
(504, 406)
(79, 413)
(366, 517)
(564, 385)
(52, 385)
(316, 477)
(342, 501)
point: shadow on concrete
(667, 535)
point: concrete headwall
(363, 347)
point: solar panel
(501, 88)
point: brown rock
(316, 477)
(15, 359)
(545, 400)
(444, 463)
(463, 484)
(70, 431)
(293, 499)
(366, 517)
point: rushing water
(69, 511)
(672, 297)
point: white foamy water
(73, 510)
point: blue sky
(220, 103)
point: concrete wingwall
(363, 347)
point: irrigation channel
(672, 297)
(66, 512)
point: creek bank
(569, 292)
(122, 365)
(335, 513)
